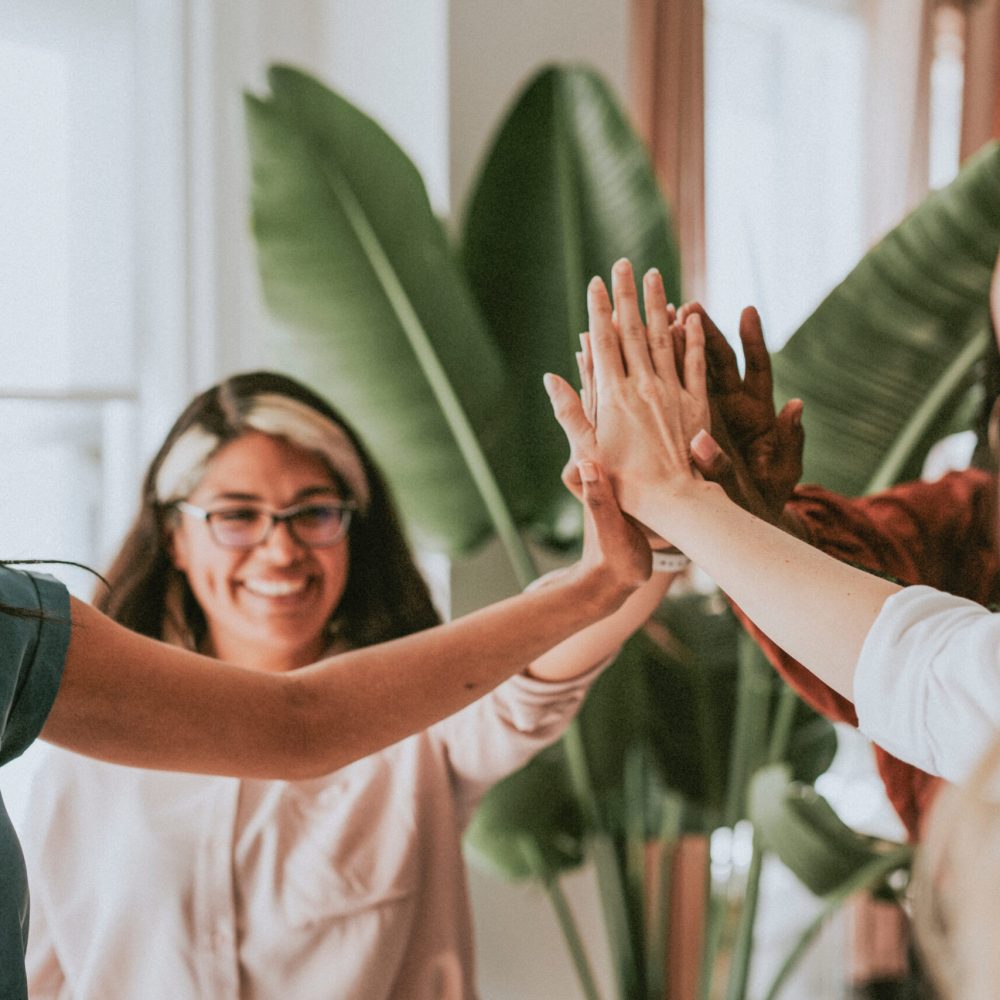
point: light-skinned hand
(646, 414)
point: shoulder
(34, 637)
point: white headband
(279, 416)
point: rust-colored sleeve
(940, 534)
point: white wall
(493, 49)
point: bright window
(784, 126)
(786, 87)
(67, 385)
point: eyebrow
(303, 494)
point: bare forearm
(588, 647)
(128, 699)
(419, 679)
(811, 605)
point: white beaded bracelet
(670, 562)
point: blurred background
(788, 135)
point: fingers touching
(631, 329)
(694, 361)
(721, 358)
(606, 354)
(585, 365)
(660, 317)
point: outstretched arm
(128, 699)
(588, 647)
(815, 607)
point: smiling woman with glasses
(266, 537)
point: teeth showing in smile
(275, 588)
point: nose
(281, 545)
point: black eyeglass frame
(286, 516)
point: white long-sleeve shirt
(165, 886)
(927, 683)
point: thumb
(570, 477)
(710, 460)
(569, 412)
(599, 501)
(716, 466)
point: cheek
(335, 565)
(208, 571)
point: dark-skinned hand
(760, 449)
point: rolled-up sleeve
(927, 683)
(501, 732)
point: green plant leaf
(534, 805)
(665, 708)
(868, 877)
(566, 189)
(890, 357)
(672, 690)
(803, 830)
(375, 313)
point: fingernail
(623, 266)
(596, 284)
(797, 414)
(548, 380)
(588, 472)
(705, 447)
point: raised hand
(645, 414)
(765, 448)
(610, 540)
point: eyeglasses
(317, 524)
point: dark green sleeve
(32, 654)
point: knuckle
(660, 340)
(647, 387)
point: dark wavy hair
(385, 596)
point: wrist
(658, 504)
(795, 525)
(597, 590)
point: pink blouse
(165, 886)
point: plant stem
(609, 867)
(781, 730)
(714, 923)
(634, 850)
(658, 930)
(784, 720)
(564, 915)
(749, 746)
(916, 427)
(749, 750)
(866, 877)
(743, 946)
